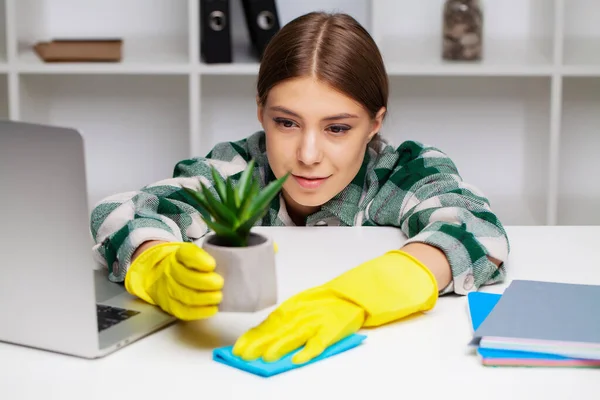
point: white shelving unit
(3, 65)
(521, 125)
(3, 96)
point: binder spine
(262, 21)
(215, 31)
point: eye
(285, 123)
(339, 129)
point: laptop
(53, 294)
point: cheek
(278, 153)
(347, 155)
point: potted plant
(245, 259)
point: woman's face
(319, 135)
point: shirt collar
(346, 204)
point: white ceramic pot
(249, 273)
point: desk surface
(421, 357)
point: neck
(298, 212)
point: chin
(310, 202)
(313, 199)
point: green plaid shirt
(414, 187)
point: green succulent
(237, 208)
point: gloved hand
(376, 292)
(179, 278)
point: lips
(310, 182)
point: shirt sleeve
(160, 211)
(428, 199)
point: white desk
(422, 357)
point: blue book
(544, 317)
(480, 306)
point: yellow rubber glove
(376, 292)
(179, 278)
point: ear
(259, 111)
(377, 122)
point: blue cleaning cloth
(225, 356)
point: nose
(309, 151)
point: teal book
(480, 306)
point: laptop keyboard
(109, 316)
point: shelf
(3, 56)
(135, 127)
(154, 33)
(582, 57)
(517, 38)
(228, 109)
(579, 166)
(422, 57)
(519, 210)
(496, 131)
(246, 63)
(581, 34)
(580, 71)
(139, 57)
(503, 57)
(507, 117)
(497, 119)
(359, 9)
(3, 97)
(412, 52)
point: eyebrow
(329, 118)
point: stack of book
(80, 50)
(535, 323)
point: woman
(322, 96)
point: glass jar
(462, 30)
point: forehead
(308, 95)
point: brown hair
(334, 48)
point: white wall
(521, 125)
